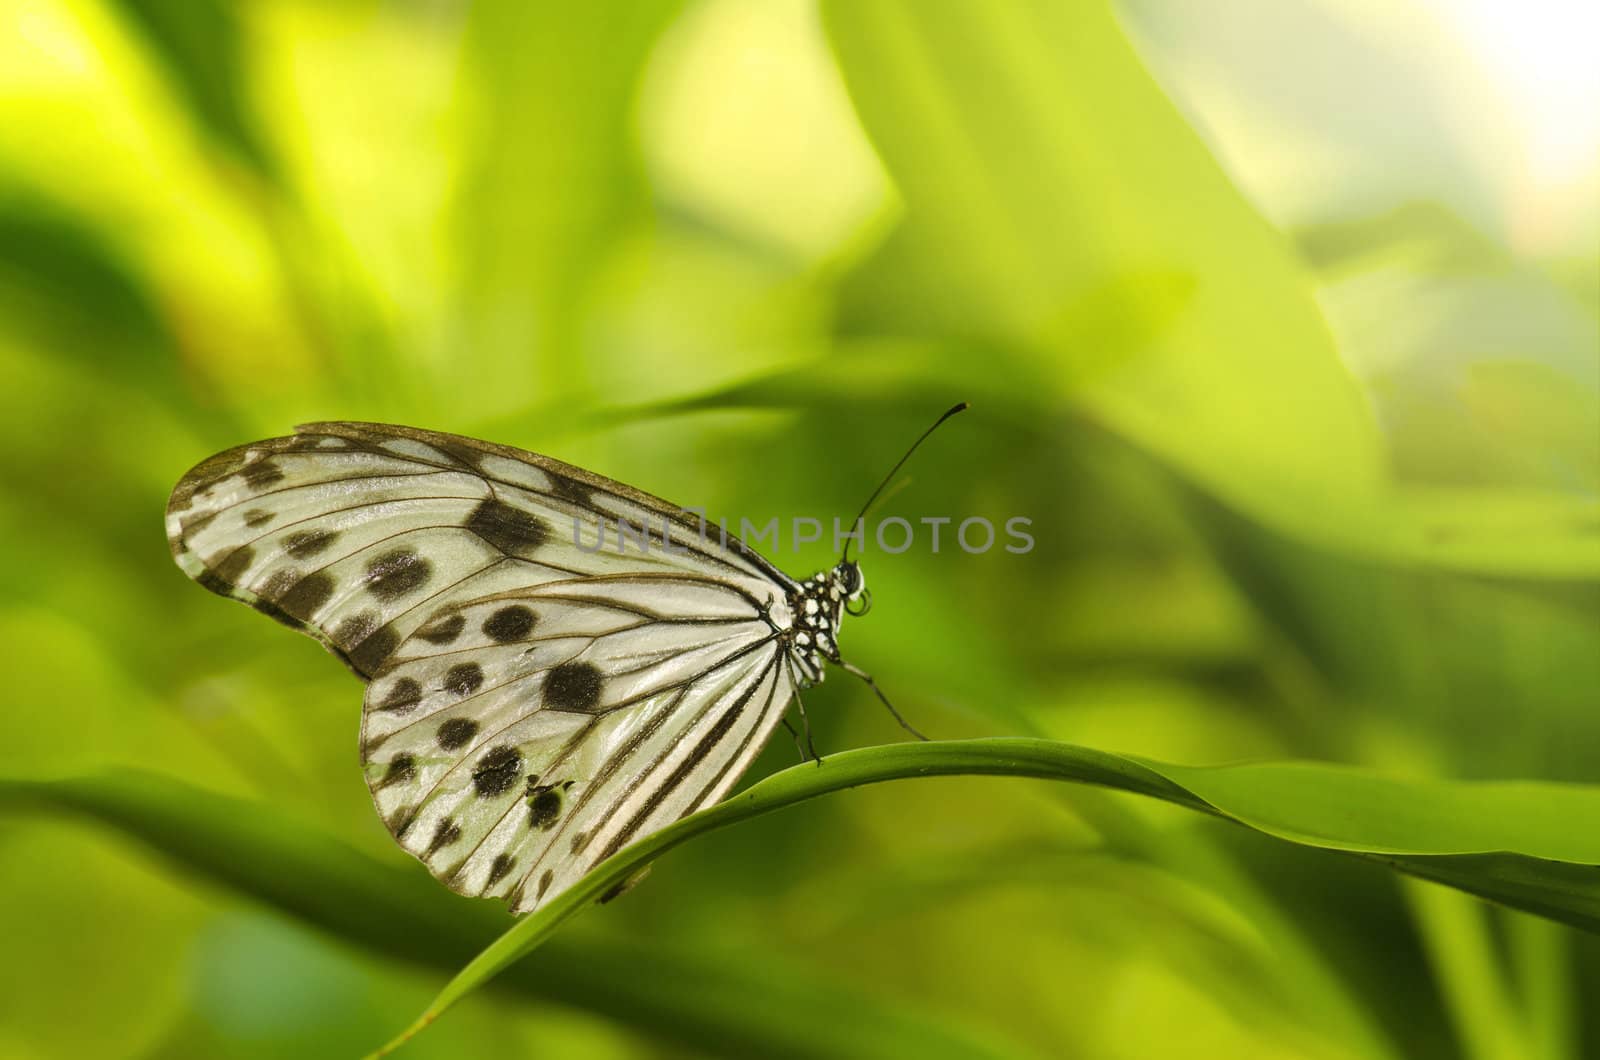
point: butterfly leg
(795, 735)
(881, 697)
(804, 721)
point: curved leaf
(1513, 849)
(709, 1005)
(1056, 202)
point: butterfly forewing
(533, 706)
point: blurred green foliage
(1308, 428)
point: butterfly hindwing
(570, 728)
(533, 705)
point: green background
(1307, 423)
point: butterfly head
(820, 603)
(849, 586)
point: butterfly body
(531, 706)
(818, 606)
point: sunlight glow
(1541, 54)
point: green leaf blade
(1527, 879)
(704, 1002)
(1050, 187)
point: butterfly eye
(859, 605)
(848, 575)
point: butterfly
(532, 705)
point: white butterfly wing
(639, 689)
(564, 721)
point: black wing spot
(544, 883)
(579, 841)
(279, 584)
(307, 595)
(544, 809)
(365, 644)
(260, 474)
(502, 864)
(402, 769)
(256, 518)
(277, 587)
(511, 530)
(213, 469)
(497, 772)
(303, 544)
(443, 630)
(352, 631)
(509, 624)
(193, 526)
(447, 832)
(401, 820)
(403, 697)
(231, 570)
(573, 686)
(463, 679)
(205, 474)
(369, 657)
(464, 455)
(570, 489)
(394, 574)
(456, 733)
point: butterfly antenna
(845, 557)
